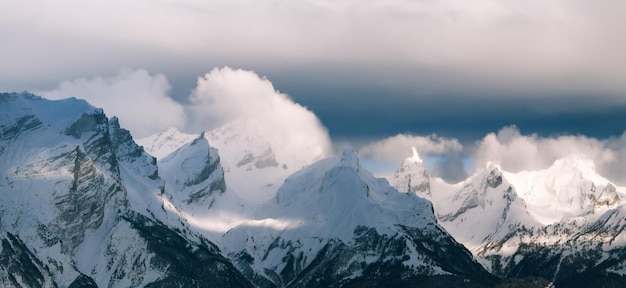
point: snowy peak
(479, 191)
(565, 214)
(66, 172)
(349, 158)
(413, 161)
(493, 177)
(57, 112)
(412, 176)
(163, 143)
(569, 188)
(335, 213)
(574, 164)
(609, 197)
(254, 166)
(415, 156)
(242, 147)
(340, 195)
(193, 173)
(482, 209)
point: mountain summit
(412, 176)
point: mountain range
(563, 223)
(83, 204)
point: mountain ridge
(82, 204)
(501, 217)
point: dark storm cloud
(451, 169)
(352, 107)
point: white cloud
(516, 152)
(442, 156)
(616, 169)
(225, 95)
(508, 148)
(139, 99)
(395, 149)
(222, 96)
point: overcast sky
(369, 70)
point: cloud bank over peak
(511, 150)
(222, 96)
(398, 147)
(142, 102)
(516, 152)
(139, 99)
(442, 155)
(225, 95)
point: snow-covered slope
(570, 187)
(483, 209)
(578, 241)
(244, 171)
(254, 167)
(333, 223)
(163, 143)
(80, 205)
(194, 174)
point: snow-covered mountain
(163, 143)
(254, 167)
(560, 223)
(334, 224)
(329, 224)
(80, 205)
(483, 208)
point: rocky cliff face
(79, 205)
(194, 173)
